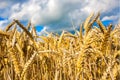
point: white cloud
(3, 24)
(45, 12)
(109, 18)
(102, 5)
(56, 15)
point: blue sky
(1, 19)
(57, 15)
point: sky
(57, 15)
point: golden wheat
(92, 53)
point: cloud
(57, 15)
(3, 23)
(101, 5)
(48, 12)
(109, 18)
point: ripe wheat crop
(89, 54)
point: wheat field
(92, 53)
